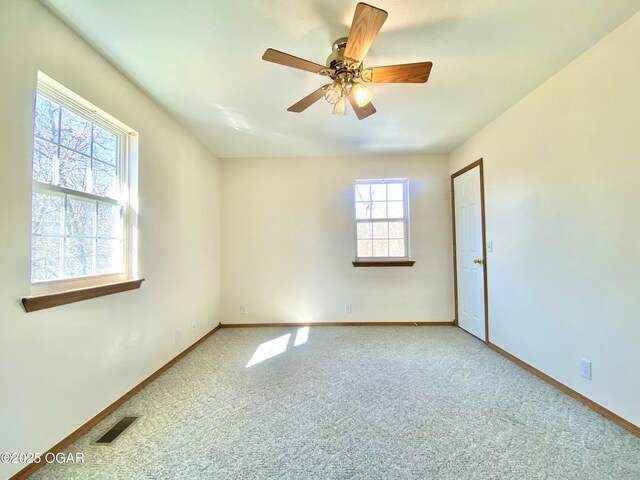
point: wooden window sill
(39, 302)
(384, 263)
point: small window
(81, 217)
(382, 219)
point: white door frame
(477, 163)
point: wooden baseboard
(338, 324)
(569, 391)
(76, 434)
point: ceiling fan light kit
(334, 92)
(340, 107)
(345, 67)
(361, 95)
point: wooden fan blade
(406, 73)
(287, 60)
(307, 101)
(367, 22)
(362, 112)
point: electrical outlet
(243, 309)
(585, 368)
(178, 335)
(193, 325)
(347, 308)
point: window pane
(46, 258)
(396, 248)
(396, 229)
(381, 248)
(394, 191)
(379, 210)
(364, 248)
(363, 210)
(109, 220)
(379, 237)
(73, 170)
(363, 193)
(81, 217)
(396, 210)
(105, 181)
(75, 132)
(108, 256)
(46, 119)
(44, 161)
(47, 213)
(105, 146)
(364, 230)
(378, 191)
(75, 233)
(381, 230)
(78, 256)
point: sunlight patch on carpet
(301, 336)
(269, 349)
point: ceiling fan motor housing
(341, 70)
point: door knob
(479, 261)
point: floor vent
(118, 429)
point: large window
(80, 199)
(382, 219)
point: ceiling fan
(344, 66)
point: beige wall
(288, 242)
(61, 366)
(562, 181)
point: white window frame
(405, 219)
(128, 179)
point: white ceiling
(201, 59)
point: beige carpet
(354, 402)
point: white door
(469, 252)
